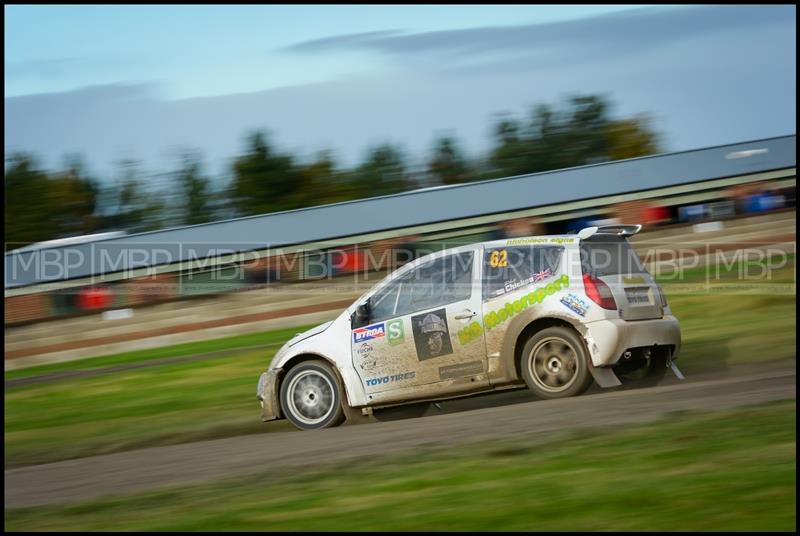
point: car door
(425, 332)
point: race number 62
(498, 259)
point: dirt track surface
(511, 415)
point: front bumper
(608, 339)
(267, 394)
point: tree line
(43, 205)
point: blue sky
(215, 50)
(148, 82)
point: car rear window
(609, 255)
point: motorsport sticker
(369, 365)
(575, 303)
(431, 335)
(391, 378)
(370, 332)
(470, 333)
(462, 369)
(396, 334)
(497, 317)
(368, 361)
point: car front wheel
(311, 396)
(555, 363)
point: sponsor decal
(510, 286)
(574, 303)
(390, 378)
(395, 333)
(369, 365)
(513, 284)
(470, 333)
(365, 350)
(551, 240)
(367, 333)
(498, 259)
(462, 369)
(431, 334)
(497, 317)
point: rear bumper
(608, 339)
(267, 394)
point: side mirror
(362, 312)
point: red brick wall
(148, 289)
(27, 308)
(631, 212)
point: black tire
(555, 363)
(316, 396)
(397, 413)
(649, 374)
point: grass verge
(733, 470)
(215, 397)
(186, 349)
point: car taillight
(598, 292)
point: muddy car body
(550, 313)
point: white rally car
(549, 313)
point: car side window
(438, 282)
(506, 269)
(383, 304)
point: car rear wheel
(311, 396)
(555, 363)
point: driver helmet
(432, 323)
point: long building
(447, 212)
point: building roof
(419, 207)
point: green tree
(382, 173)
(134, 208)
(264, 180)
(43, 207)
(580, 133)
(28, 208)
(546, 146)
(195, 196)
(319, 182)
(448, 166)
(73, 199)
(586, 139)
(509, 157)
(629, 138)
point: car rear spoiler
(615, 230)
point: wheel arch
(302, 358)
(524, 327)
